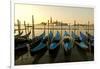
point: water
(39, 29)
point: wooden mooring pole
(88, 36)
(28, 28)
(44, 28)
(48, 29)
(25, 27)
(74, 26)
(78, 28)
(69, 29)
(88, 26)
(19, 28)
(33, 34)
(61, 30)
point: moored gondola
(79, 43)
(41, 47)
(50, 38)
(18, 35)
(67, 44)
(20, 50)
(90, 41)
(22, 39)
(24, 36)
(36, 40)
(54, 46)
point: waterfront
(53, 34)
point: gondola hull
(91, 47)
(38, 52)
(42, 47)
(54, 46)
(53, 52)
(20, 50)
(67, 51)
(82, 48)
(67, 44)
(35, 42)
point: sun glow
(42, 13)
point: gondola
(18, 35)
(83, 37)
(54, 46)
(50, 38)
(79, 43)
(22, 39)
(90, 37)
(75, 37)
(36, 40)
(21, 45)
(24, 36)
(20, 50)
(67, 44)
(42, 47)
(66, 33)
(90, 41)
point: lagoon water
(40, 29)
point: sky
(42, 13)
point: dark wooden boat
(22, 39)
(36, 40)
(75, 37)
(18, 35)
(54, 46)
(50, 38)
(67, 44)
(42, 47)
(89, 40)
(83, 37)
(79, 43)
(66, 34)
(91, 37)
(20, 50)
(24, 36)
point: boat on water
(41, 47)
(50, 38)
(90, 37)
(75, 37)
(20, 50)
(22, 39)
(24, 36)
(80, 43)
(67, 44)
(89, 40)
(83, 37)
(36, 40)
(18, 35)
(66, 34)
(54, 46)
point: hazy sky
(61, 13)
